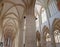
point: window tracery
(57, 36)
(48, 38)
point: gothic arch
(56, 30)
(46, 36)
(56, 24)
(45, 30)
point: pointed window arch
(43, 15)
(56, 28)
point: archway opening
(56, 29)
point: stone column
(40, 22)
(0, 31)
(39, 44)
(1, 8)
(43, 40)
(30, 36)
(21, 29)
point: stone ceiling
(11, 12)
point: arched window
(57, 36)
(43, 15)
(37, 22)
(48, 38)
(37, 14)
(56, 28)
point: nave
(29, 23)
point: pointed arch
(56, 24)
